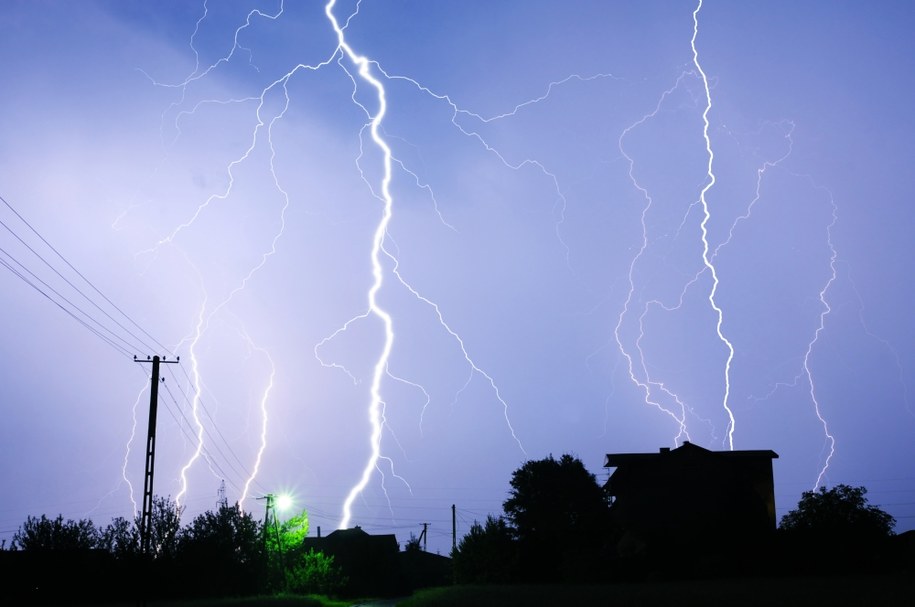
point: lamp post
(283, 502)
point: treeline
(559, 526)
(224, 552)
(556, 528)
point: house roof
(614, 460)
(355, 536)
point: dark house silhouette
(369, 561)
(690, 498)
(374, 565)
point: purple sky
(574, 261)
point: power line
(92, 329)
(64, 298)
(160, 346)
(241, 473)
(247, 473)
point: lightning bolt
(640, 375)
(364, 67)
(264, 419)
(195, 406)
(706, 259)
(264, 124)
(655, 392)
(805, 373)
(367, 74)
(829, 445)
(133, 434)
(375, 406)
(457, 112)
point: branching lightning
(654, 391)
(830, 441)
(376, 404)
(204, 315)
(197, 384)
(379, 251)
(704, 227)
(294, 178)
(640, 376)
(264, 419)
(368, 73)
(133, 434)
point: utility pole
(453, 529)
(268, 508)
(146, 516)
(422, 536)
(269, 505)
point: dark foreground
(864, 591)
(841, 591)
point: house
(370, 562)
(708, 502)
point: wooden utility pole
(146, 516)
(422, 536)
(453, 529)
(270, 508)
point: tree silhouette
(42, 533)
(560, 518)
(835, 530)
(842, 509)
(165, 523)
(121, 538)
(488, 554)
(224, 549)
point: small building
(708, 502)
(370, 562)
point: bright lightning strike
(634, 317)
(375, 405)
(264, 419)
(656, 392)
(639, 374)
(195, 403)
(611, 239)
(830, 441)
(704, 227)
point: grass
(869, 591)
(258, 601)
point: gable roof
(687, 449)
(349, 538)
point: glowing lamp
(283, 502)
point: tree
(224, 550)
(413, 544)
(165, 523)
(560, 517)
(488, 554)
(42, 533)
(314, 573)
(121, 538)
(288, 534)
(841, 510)
(835, 530)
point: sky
(403, 247)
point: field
(869, 591)
(858, 591)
